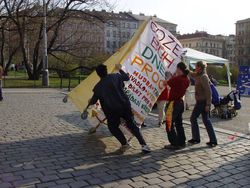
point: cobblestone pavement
(44, 143)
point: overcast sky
(213, 16)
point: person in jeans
(1, 77)
(178, 85)
(161, 105)
(116, 105)
(203, 99)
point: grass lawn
(20, 80)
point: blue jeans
(199, 108)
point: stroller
(225, 107)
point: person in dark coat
(116, 105)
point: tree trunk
(34, 76)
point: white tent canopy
(192, 56)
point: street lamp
(45, 79)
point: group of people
(176, 88)
(116, 105)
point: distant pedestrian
(178, 85)
(203, 98)
(1, 83)
(116, 105)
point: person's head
(182, 69)
(101, 70)
(168, 75)
(200, 67)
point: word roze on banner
(156, 53)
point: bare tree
(25, 18)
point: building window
(190, 45)
(114, 34)
(110, 24)
(108, 44)
(128, 35)
(108, 33)
(114, 44)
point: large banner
(148, 57)
(155, 55)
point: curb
(25, 90)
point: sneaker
(124, 148)
(212, 144)
(145, 149)
(192, 141)
(171, 147)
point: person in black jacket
(116, 105)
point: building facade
(118, 29)
(204, 42)
(107, 31)
(171, 27)
(230, 48)
(243, 42)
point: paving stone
(138, 184)
(44, 185)
(26, 182)
(153, 181)
(60, 186)
(213, 184)
(179, 174)
(192, 171)
(179, 180)
(110, 185)
(166, 177)
(231, 185)
(65, 181)
(243, 182)
(78, 184)
(167, 184)
(49, 178)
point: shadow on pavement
(81, 157)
